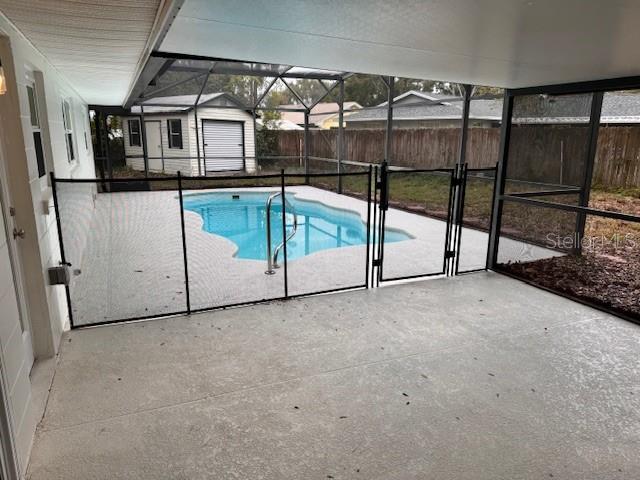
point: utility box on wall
(59, 275)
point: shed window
(35, 129)
(68, 130)
(174, 127)
(135, 139)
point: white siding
(175, 159)
(189, 143)
(31, 195)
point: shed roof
(185, 103)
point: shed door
(223, 145)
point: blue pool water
(243, 221)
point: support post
(145, 154)
(460, 177)
(107, 151)
(255, 142)
(195, 118)
(340, 145)
(501, 175)
(306, 146)
(462, 154)
(388, 136)
(585, 192)
(63, 258)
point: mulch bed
(610, 279)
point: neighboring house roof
(319, 114)
(281, 124)
(178, 103)
(415, 96)
(616, 108)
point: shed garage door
(223, 145)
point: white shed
(225, 135)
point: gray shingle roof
(616, 108)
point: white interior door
(154, 145)
(223, 145)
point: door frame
(204, 152)
(146, 138)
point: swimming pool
(241, 217)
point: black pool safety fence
(174, 245)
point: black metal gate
(430, 205)
(420, 202)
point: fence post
(366, 274)
(63, 258)
(462, 190)
(340, 133)
(184, 245)
(373, 227)
(284, 233)
(383, 207)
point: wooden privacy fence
(553, 154)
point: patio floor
(475, 377)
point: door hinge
(456, 182)
(12, 211)
(377, 262)
(450, 254)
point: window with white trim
(135, 137)
(68, 130)
(36, 129)
(174, 129)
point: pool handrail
(272, 260)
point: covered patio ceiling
(503, 43)
(102, 48)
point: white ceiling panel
(96, 45)
(507, 43)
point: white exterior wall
(175, 159)
(172, 161)
(31, 196)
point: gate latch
(449, 254)
(376, 262)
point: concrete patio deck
(478, 377)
